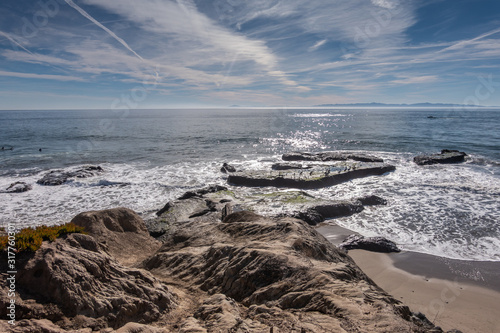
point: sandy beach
(453, 294)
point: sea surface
(153, 156)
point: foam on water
(447, 210)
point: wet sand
(459, 294)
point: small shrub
(29, 239)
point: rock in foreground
(249, 274)
(445, 157)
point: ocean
(152, 156)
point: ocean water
(152, 156)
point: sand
(453, 294)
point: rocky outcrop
(120, 231)
(330, 156)
(58, 177)
(274, 274)
(77, 277)
(317, 177)
(445, 157)
(18, 187)
(375, 244)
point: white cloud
(317, 45)
(416, 79)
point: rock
(372, 200)
(327, 210)
(375, 244)
(316, 178)
(79, 278)
(202, 192)
(18, 187)
(227, 168)
(53, 178)
(289, 166)
(121, 231)
(58, 177)
(165, 208)
(311, 216)
(227, 210)
(280, 275)
(445, 157)
(330, 156)
(242, 216)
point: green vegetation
(30, 240)
(290, 197)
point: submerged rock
(372, 200)
(58, 177)
(330, 156)
(18, 187)
(375, 244)
(445, 157)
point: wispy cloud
(41, 76)
(317, 45)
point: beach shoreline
(453, 294)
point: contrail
(15, 41)
(93, 20)
(465, 42)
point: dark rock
(445, 157)
(202, 192)
(53, 178)
(200, 213)
(211, 205)
(289, 166)
(339, 209)
(375, 244)
(227, 168)
(311, 216)
(316, 178)
(227, 210)
(165, 208)
(58, 177)
(18, 187)
(330, 156)
(372, 200)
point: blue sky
(59, 54)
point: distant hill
(415, 105)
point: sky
(84, 54)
